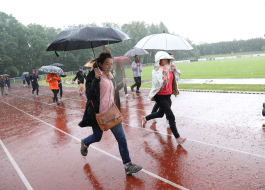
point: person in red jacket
(52, 79)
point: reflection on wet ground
(225, 147)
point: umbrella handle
(92, 49)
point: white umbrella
(135, 51)
(51, 69)
(163, 41)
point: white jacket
(157, 83)
(157, 80)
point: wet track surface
(225, 147)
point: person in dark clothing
(60, 87)
(8, 82)
(34, 82)
(23, 80)
(100, 88)
(27, 77)
(80, 76)
(2, 85)
(120, 76)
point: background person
(27, 77)
(2, 85)
(137, 73)
(23, 80)
(34, 82)
(120, 76)
(52, 79)
(60, 83)
(80, 76)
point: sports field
(234, 68)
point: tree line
(23, 48)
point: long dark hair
(101, 58)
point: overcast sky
(199, 20)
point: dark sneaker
(137, 91)
(132, 168)
(83, 149)
(132, 89)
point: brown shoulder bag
(110, 118)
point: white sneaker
(154, 121)
(126, 95)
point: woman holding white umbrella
(163, 85)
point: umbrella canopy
(25, 73)
(5, 75)
(164, 41)
(57, 64)
(87, 37)
(121, 59)
(51, 69)
(135, 51)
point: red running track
(40, 144)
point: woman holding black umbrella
(100, 89)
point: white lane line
(18, 170)
(100, 150)
(196, 141)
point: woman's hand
(174, 68)
(98, 73)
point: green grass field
(233, 54)
(236, 68)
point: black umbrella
(57, 64)
(88, 37)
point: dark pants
(35, 87)
(119, 136)
(164, 104)
(61, 90)
(2, 90)
(55, 92)
(125, 89)
(137, 83)
(155, 108)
